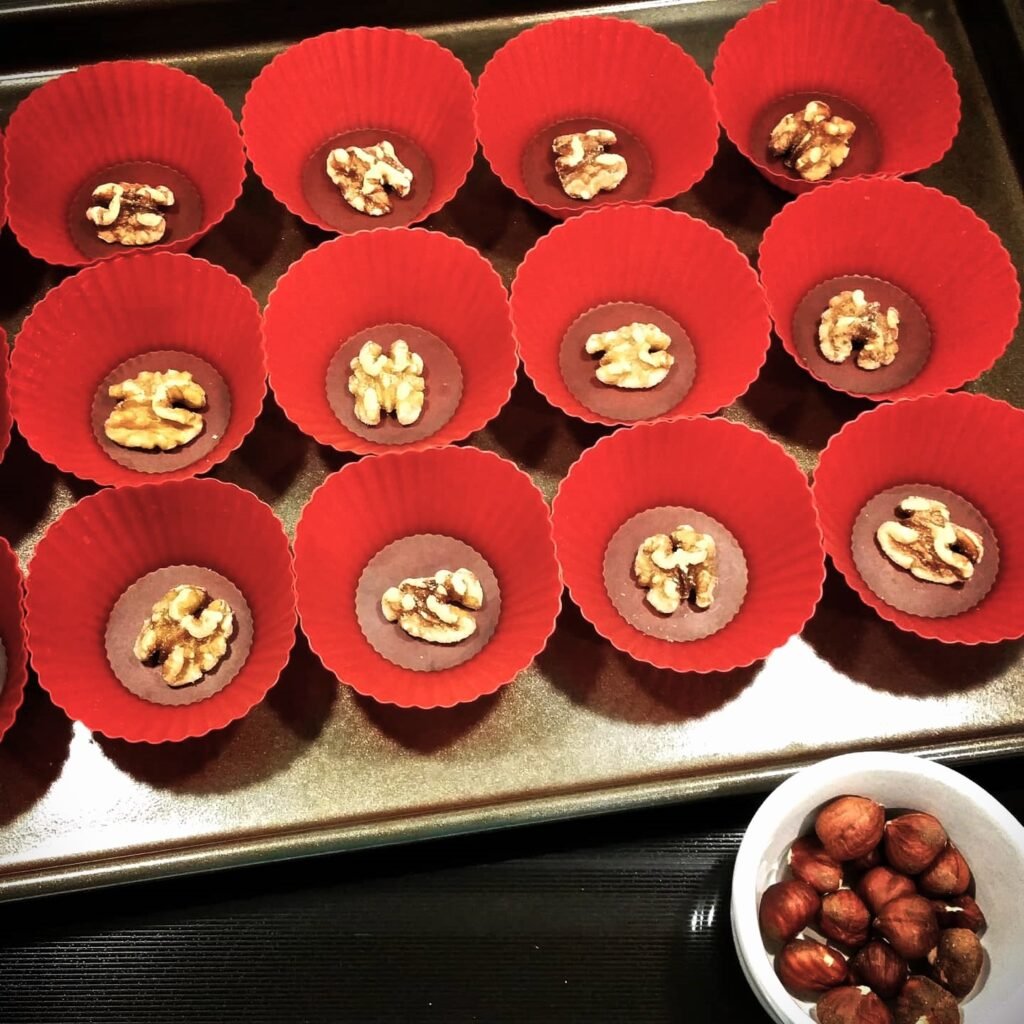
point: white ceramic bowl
(989, 836)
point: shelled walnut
(187, 634)
(156, 411)
(925, 541)
(633, 357)
(673, 566)
(128, 212)
(583, 165)
(812, 141)
(436, 608)
(387, 383)
(854, 326)
(367, 176)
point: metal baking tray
(316, 768)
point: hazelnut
(924, 1002)
(909, 923)
(913, 841)
(882, 884)
(808, 966)
(811, 864)
(870, 860)
(959, 912)
(852, 1005)
(948, 874)
(957, 960)
(844, 918)
(879, 966)
(850, 827)
(787, 908)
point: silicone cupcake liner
(91, 323)
(969, 444)
(534, 82)
(668, 260)
(6, 419)
(109, 114)
(729, 472)
(114, 538)
(396, 276)
(12, 634)
(925, 242)
(886, 65)
(474, 496)
(376, 78)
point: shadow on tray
(428, 731)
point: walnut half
(156, 411)
(129, 213)
(673, 566)
(634, 357)
(387, 383)
(812, 141)
(187, 634)
(365, 176)
(852, 324)
(925, 541)
(583, 166)
(436, 608)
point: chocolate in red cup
(6, 419)
(907, 246)
(636, 264)
(429, 289)
(718, 477)
(963, 445)
(110, 322)
(575, 74)
(358, 87)
(13, 637)
(868, 62)
(407, 515)
(125, 120)
(216, 535)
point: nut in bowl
(913, 958)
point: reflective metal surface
(315, 768)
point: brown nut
(808, 966)
(882, 884)
(924, 1002)
(852, 1005)
(913, 841)
(870, 860)
(850, 827)
(909, 923)
(881, 968)
(787, 908)
(844, 918)
(811, 864)
(959, 912)
(948, 874)
(957, 960)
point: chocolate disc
(183, 219)
(689, 622)
(896, 586)
(134, 607)
(418, 555)
(542, 181)
(625, 404)
(216, 415)
(442, 377)
(326, 199)
(865, 145)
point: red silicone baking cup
(474, 496)
(6, 419)
(13, 635)
(861, 50)
(668, 260)
(379, 78)
(396, 275)
(726, 470)
(925, 242)
(92, 322)
(114, 538)
(969, 444)
(111, 113)
(640, 80)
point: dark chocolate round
(624, 404)
(896, 586)
(418, 555)
(134, 607)
(542, 181)
(326, 199)
(865, 145)
(216, 415)
(914, 339)
(183, 219)
(442, 378)
(689, 622)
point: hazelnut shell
(959, 912)
(881, 968)
(948, 875)
(844, 918)
(923, 1002)
(909, 923)
(852, 1005)
(957, 961)
(913, 841)
(882, 884)
(811, 864)
(786, 909)
(850, 827)
(806, 966)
